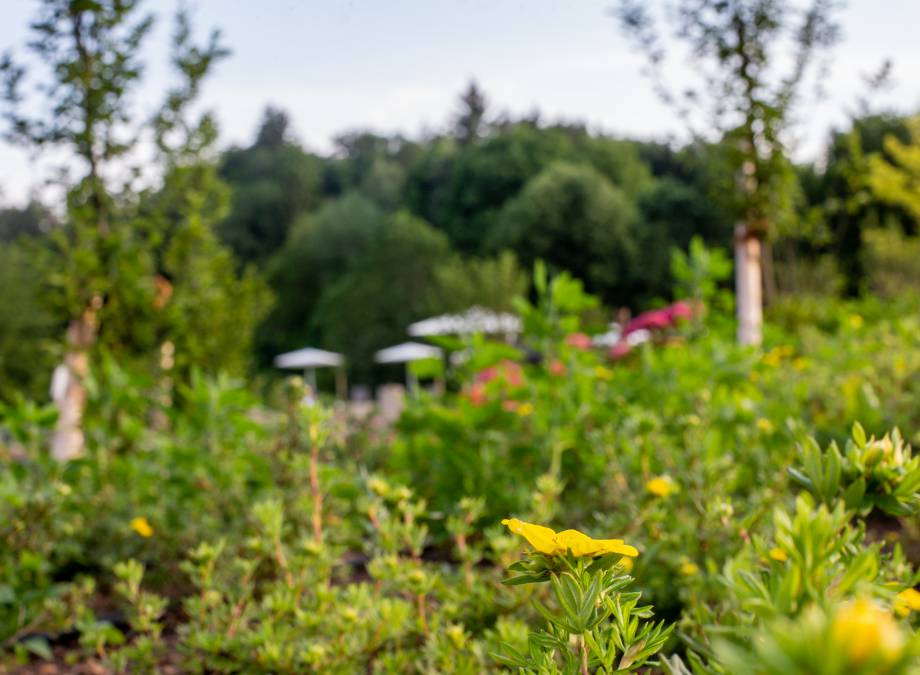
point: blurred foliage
(27, 328)
(227, 535)
(895, 176)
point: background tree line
(385, 230)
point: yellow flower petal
(617, 546)
(545, 540)
(541, 538)
(778, 554)
(864, 630)
(141, 526)
(907, 601)
(576, 542)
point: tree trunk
(748, 286)
(67, 386)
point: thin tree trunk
(68, 389)
(748, 286)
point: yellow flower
(773, 357)
(862, 630)
(662, 486)
(765, 425)
(627, 564)
(688, 568)
(856, 321)
(800, 363)
(778, 554)
(141, 526)
(525, 409)
(545, 540)
(603, 373)
(907, 601)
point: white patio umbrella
(309, 359)
(473, 320)
(406, 353)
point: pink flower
(619, 350)
(651, 320)
(477, 395)
(506, 370)
(512, 372)
(557, 368)
(509, 405)
(681, 310)
(578, 341)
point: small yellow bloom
(141, 526)
(525, 409)
(765, 425)
(864, 630)
(856, 321)
(773, 357)
(778, 554)
(545, 540)
(456, 634)
(800, 363)
(907, 601)
(627, 564)
(662, 486)
(688, 568)
(603, 373)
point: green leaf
(854, 494)
(38, 646)
(859, 434)
(526, 579)
(801, 479)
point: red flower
(578, 341)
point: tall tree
(273, 131)
(896, 178)
(321, 248)
(391, 285)
(572, 217)
(31, 221)
(274, 180)
(747, 86)
(102, 259)
(469, 124)
(842, 193)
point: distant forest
(386, 230)
(389, 229)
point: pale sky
(399, 65)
